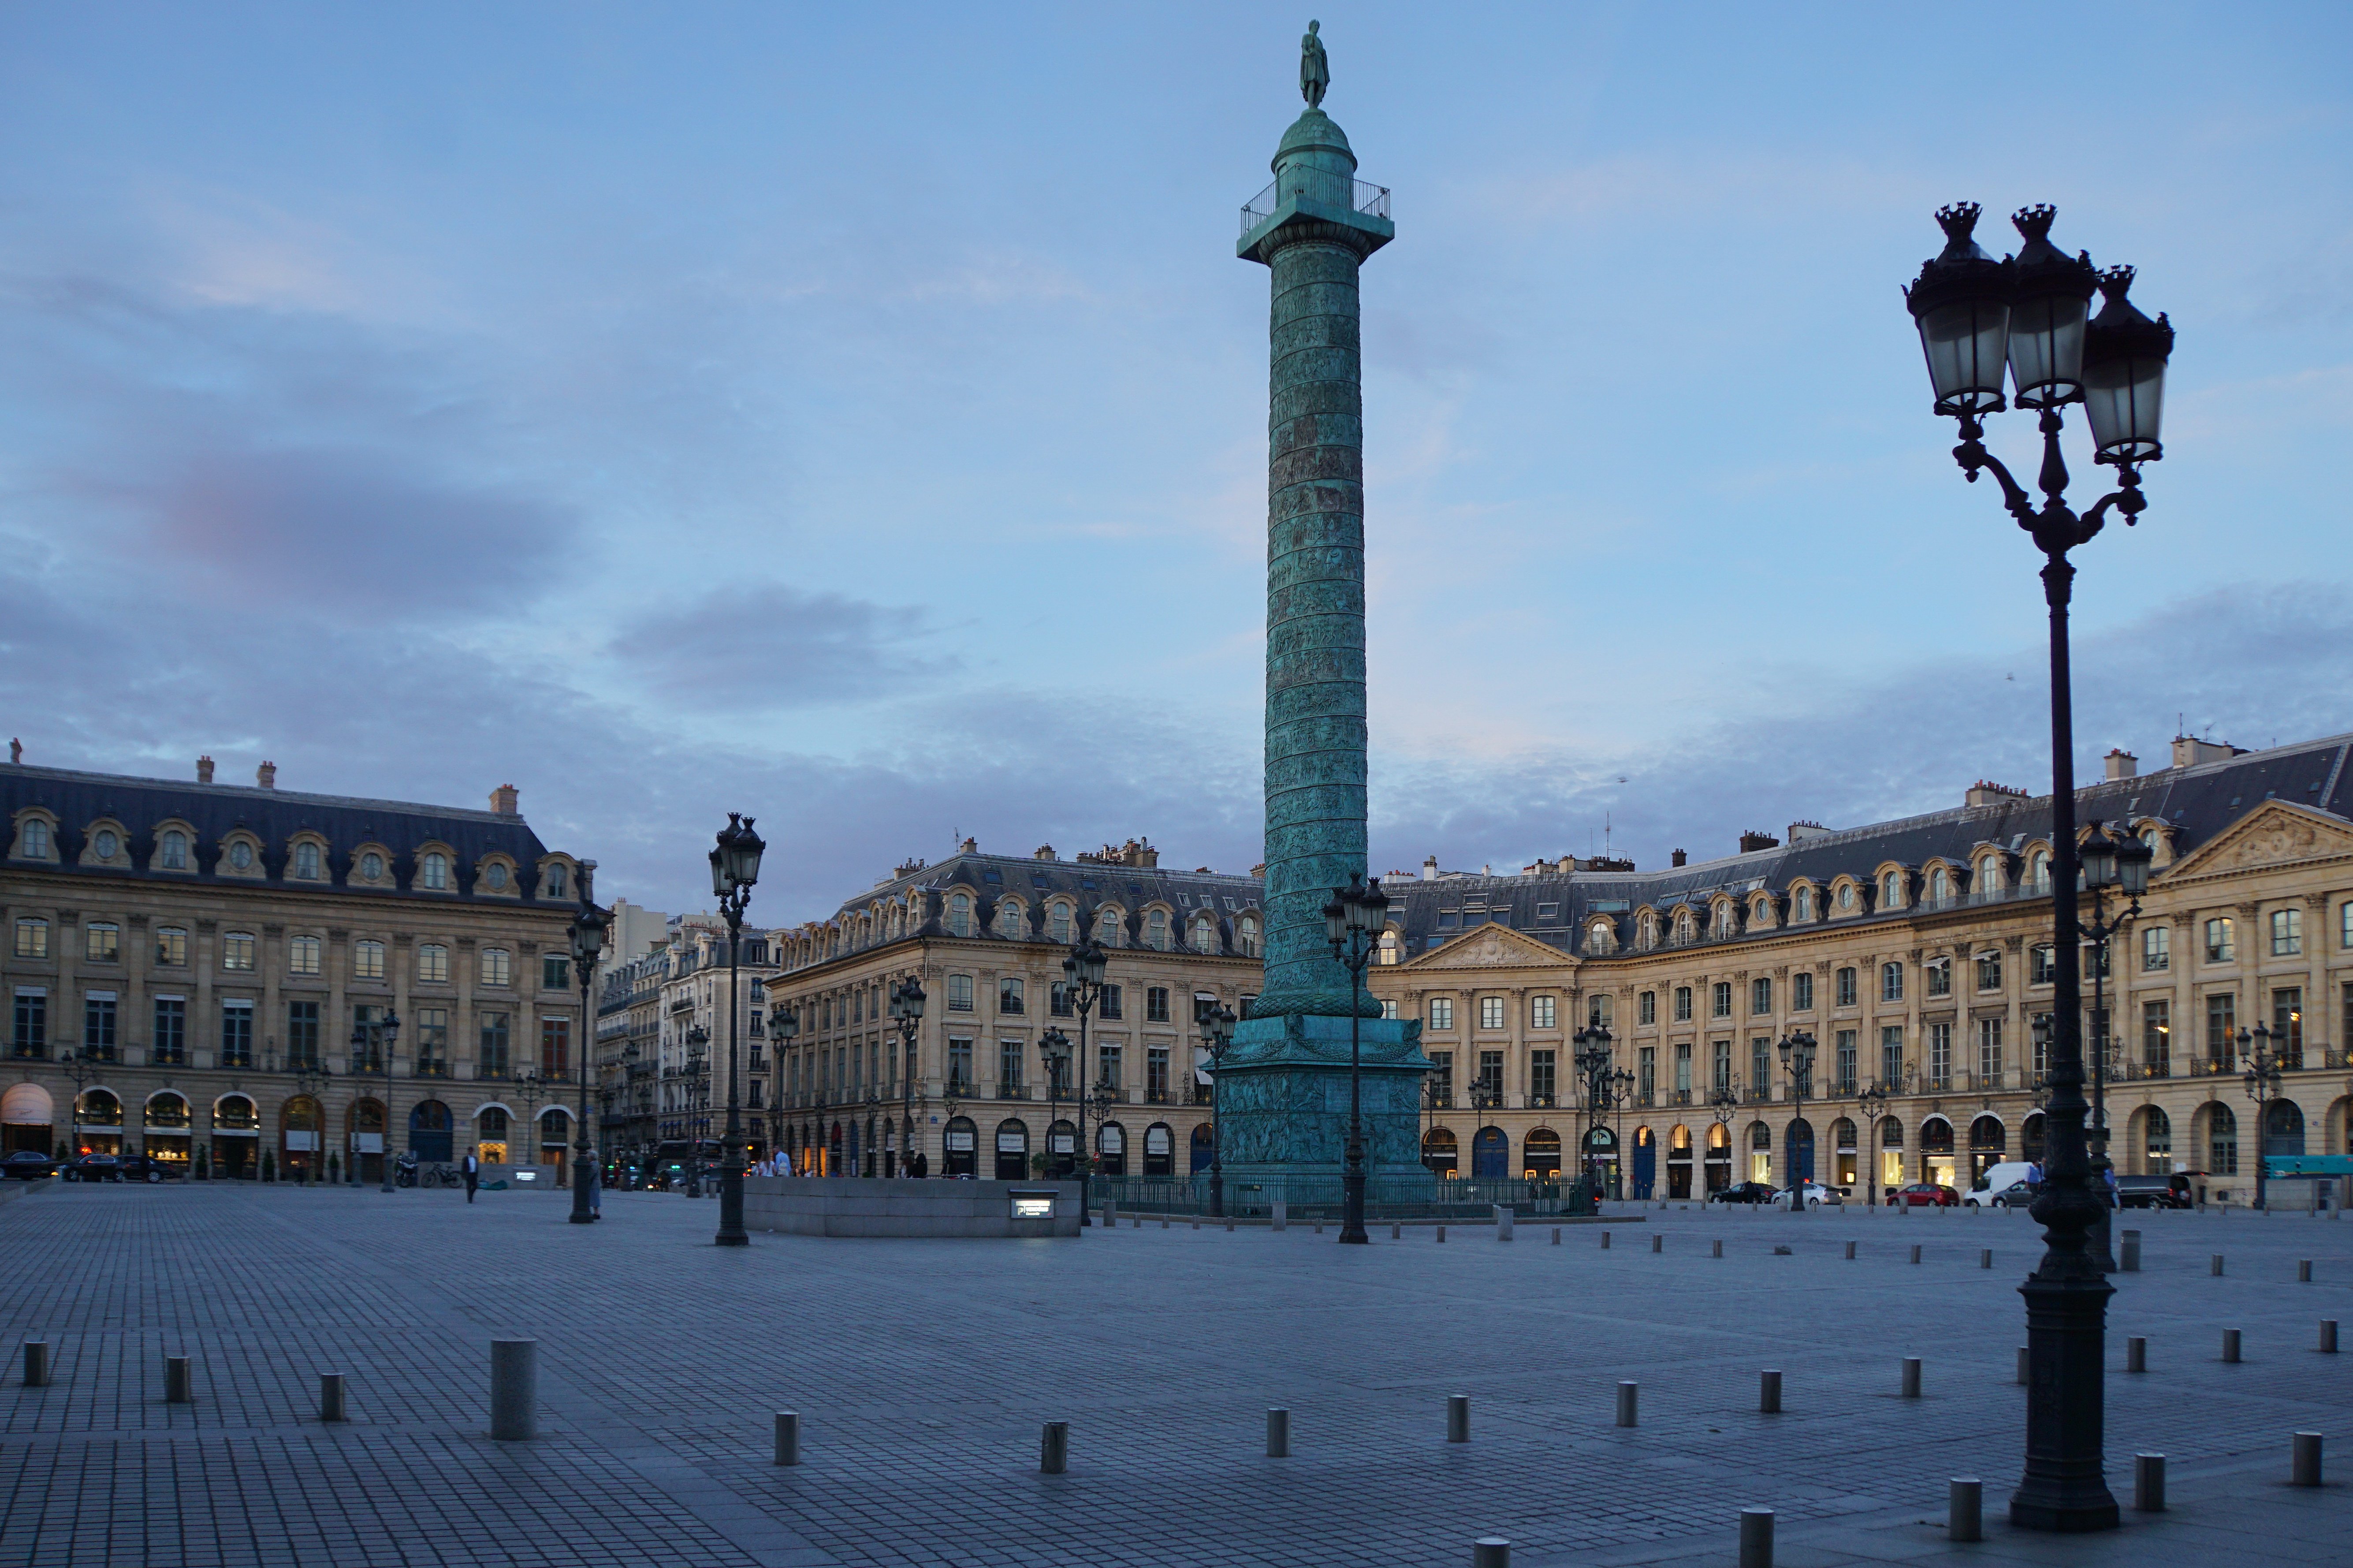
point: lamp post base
(1352, 1204)
(2065, 1488)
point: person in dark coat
(472, 1168)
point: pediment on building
(2276, 833)
(1492, 947)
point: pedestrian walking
(472, 1168)
(594, 1176)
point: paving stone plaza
(923, 1370)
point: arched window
(1392, 949)
(2223, 1141)
(37, 839)
(960, 915)
(1158, 929)
(1246, 933)
(2038, 872)
(1009, 920)
(554, 887)
(1205, 935)
(1890, 890)
(1108, 927)
(1940, 885)
(1646, 931)
(1805, 904)
(2157, 1143)
(306, 861)
(434, 871)
(175, 850)
(1058, 921)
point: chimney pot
(505, 800)
(2123, 764)
(204, 770)
(1678, 859)
(1430, 867)
(266, 775)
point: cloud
(769, 646)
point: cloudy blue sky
(856, 414)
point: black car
(1742, 1193)
(27, 1163)
(2153, 1191)
(93, 1168)
(142, 1168)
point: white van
(1998, 1179)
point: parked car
(1924, 1195)
(2000, 1178)
(93, 1168)
(26, 1163)
(141, 1168)
(2016, 1195)
(1817, 1195)
(2153, 1191)
(1742, 1193)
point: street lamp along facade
(1216, 1023)
(589, 925)
(1962, 304)
(734, 867)
(1353, 922)
(907, 1012)
(1083, 968)
(367, 1038)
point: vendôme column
(1282, 1093)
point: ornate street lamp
(379, 1035)
(1353, 922)
(2263, 1081)
(2119, 861)
(589, 924)
(1083, 968)
(783, 1028)
(1216, 1023)
(698, 1045)
(1973, 314)
(907, 1012)
(1798, 1064)
(1054, 1046)
(1604, 1088)
(1872, 1103)
(734, 867)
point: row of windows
(101, 943)
(172, 847)
(425, 1035)
(1110, 926)
(1012, 1000)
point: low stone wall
(864, 1206)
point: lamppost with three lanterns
(734, 867)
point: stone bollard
(1319, 1227)
(1911, 1378)
(1849, 1252)
(1054, 1448)
(514, 1390)
(179, 1384)
(1503, 1223)
(1627, 1395)
(1985, 1258)
(2214, 1266)
(2148, 1483)
(1278, 1433)
(1230, 1226)
(1756, 1538)
(787, 1438)
(1491, 1552)
(1442, 1233)
(330, 1396)
(1397, 1233)
(1111, 1216)
(1196, 1225)
(2025, 1361)
(2129, 1260)
(1458, 1419)
(2328, 1336)
(1279, 1214)
(1716, 1249)
(1604, 1241)
(2304, 1271)
(2305, 1466)
(1915, 1253)
(1964, 1509)
(1556, 1236)
(37, 1363)
(2136, 1355)
(2229, 1344)
(1769, 1393)
(1657, 1244)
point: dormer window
(372, 865)
(175, 850)
(2038, 875)
(107, 843)
(1805, 904)
(1246, 936)
(306, 861)
(1890, 890)
(552, 886)
(495, 877)
(36, 839)
(1940, 885)
(1058, 921)
(434, 871)
(1846, 895)
(1008, 917)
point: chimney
(15, 750)
(1801, 831)
(969, 847)
(504, 800)
(2123, 764)
(1754, 840)
(2189, 750)
(204, 770)
(1985, 793)
(1043, 852)
(1430, 867)
(266, 775)
(1678, 859)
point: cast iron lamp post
(588, 927)
(2263, 1080)
(1872, 1103)
(783, 1028)
(1724, 1103)
(1975, 314)
(734, 867)
(1082, 981)
(1216, 1023)
(907, 1012)
(1353, 921)
(698, 1047)
(311, 1081)
(1797, 1062)
(1603, 1090)
(2117, 860)
(1055, 1046)
(379, 1035)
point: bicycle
(440, 1176)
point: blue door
(429, 1130)
(1490, 1152)
(1801, 1149)
(1203, 1140)
(1646, 1162)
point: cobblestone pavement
(923, 1369)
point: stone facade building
(184, 964)
(987, 935)
(1916, 953)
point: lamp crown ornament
(1960, 222)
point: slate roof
(2197, 803)
(273, 815)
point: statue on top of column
(1314, 68)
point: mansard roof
(274, 815)
(1085, 882)
(2197, 803)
